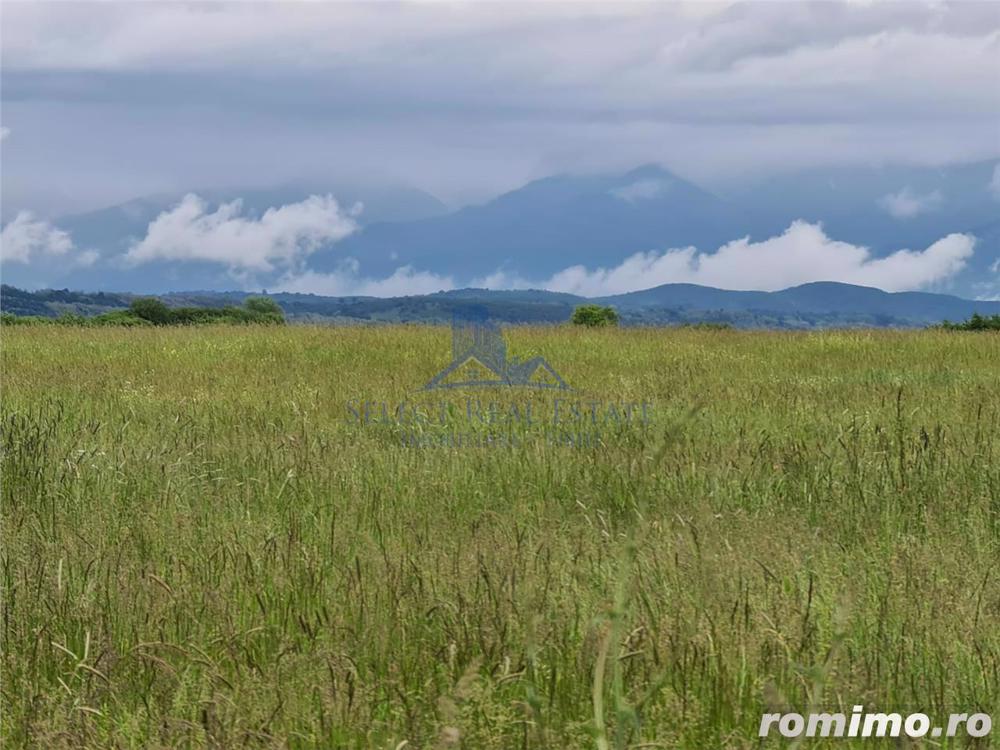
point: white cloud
(640, 190)
(906, 204)
(345, 282)
(4, 132)
(26, 238)
(280, 237)
(802, 254)
(501, 279)
(87, 258)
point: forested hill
(807, 306)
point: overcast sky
(104, 102)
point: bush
(198, 315)
(254, 310)
(594, 316)
(151, 309)
(10, 319)
(146, 311)
(71, 319)
(118, 318)
(263, 306)
(228, 314)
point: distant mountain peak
(649, 172)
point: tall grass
(202, 549)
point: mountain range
(594, 221)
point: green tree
(976, 323)
(263, 305)
(151, 309)
(594, 316)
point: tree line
(976, 323)
(150, 311)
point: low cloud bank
(345, 282)
(273, 249)
(26, 239)
(280, 238)
(801, 254)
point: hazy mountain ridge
(545, 226)
(550, 224)
(598, 221)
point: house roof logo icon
(479, 359)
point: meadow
(203, 546)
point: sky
(105, 102)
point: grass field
(203, 546)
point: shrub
(10, 319)
(151, 309)
(594, 316)
(118, 318)
(263, 306)
(198, 315)
(266, 312)
(146, 311)
(254, 310)
(71, 319)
